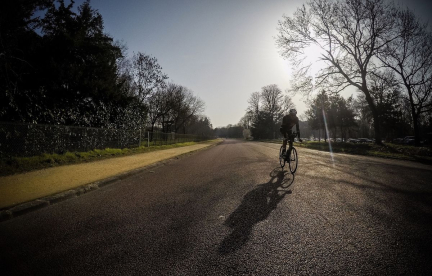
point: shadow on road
(255, 207)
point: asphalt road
(231, 210)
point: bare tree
(159, 105)
(125, 78)
(254, 103)
(266, 109)
(349, 33)
(147, 77)
(272, 98)
(183, 107)
(147, 74)
(275, 103)
(192, 106)
(287, 104)
(176, 103)
(410, 57)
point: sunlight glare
(313, 53)
(328, 138)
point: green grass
(15, 165)
(394, 151)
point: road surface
(231, 210)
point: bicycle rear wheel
(281, 158)
(293, 160)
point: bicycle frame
(292, 162)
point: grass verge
(393, 151)
(15, 165)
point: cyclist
(288, 122)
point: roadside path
(25, 187)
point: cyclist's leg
(284, 143)
(290, 141)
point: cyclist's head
(293, 112)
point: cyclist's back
(288, 121)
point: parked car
(364, 140)
(409, 140)
(351, 140)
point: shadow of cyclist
(255, 207)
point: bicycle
(292, 159)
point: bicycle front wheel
(293, 160)
(281, 158)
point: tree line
(328, 115)
(379, 48)
(58, 66)
(352, 117)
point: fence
(34, 139)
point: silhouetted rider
(288, 121)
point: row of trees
(373, 45)
(57, 66)
(353, 118)
(328, 115)
(230, 131)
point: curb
(27, 207)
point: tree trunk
(342, 132)
(151, 132)
(377, 121)
(416, 130)
(415, 116)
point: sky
(222, 50)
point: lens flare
(328, 137)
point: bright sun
(313, 53)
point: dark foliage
(263, 126)
(60, 67)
